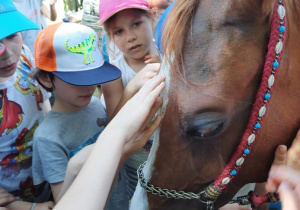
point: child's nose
(131, 36)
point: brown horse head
(215, 55)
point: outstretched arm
(130, 123)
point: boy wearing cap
(22, 110)
(69, 63)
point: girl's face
(11, 55)
(132, 33)
(71, 98)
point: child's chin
(4, 74)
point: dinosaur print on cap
(86, 48)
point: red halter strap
(270, 72)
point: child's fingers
(150, 129)
(152, 88)
(6, 198)
(152, 59)
(280, 155)
(288, 197)
(293, 154)
(279, 174)
(152, 113)
(140, 139)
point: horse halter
(211, 193)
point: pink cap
(108, 8)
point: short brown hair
(44, 74)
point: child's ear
(155, 18)
(45, 80)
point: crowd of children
(55, 155)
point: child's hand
(146, 73)
(44, 206)
(139, 141)
(6, 198)
(286, 181)
(152, 59)
(284, 176)
(52, 2)
(293, 154)
(138, 112)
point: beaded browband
(271, 67)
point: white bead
(226, 180)
(281, 11)
(271, 80)
(240, 161)
(251, 138)
(261, 113)
(279, 47)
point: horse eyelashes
(204, 131)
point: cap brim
(103, 74)
(13, 22)
(106, 17)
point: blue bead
(281, 29)
(267, 96)
(257, 126)
(275, 64)
(246, 151)
(233, 172)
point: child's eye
(12, 36)
(136, 24)
(118, 32)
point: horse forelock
(178, 23)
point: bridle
(211, 193)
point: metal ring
(205, 202)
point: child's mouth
(9, 67)
(135, 47)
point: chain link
(163, 192)
(242, 200)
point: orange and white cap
(70, 51)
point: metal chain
(242, 200)
(163, 192)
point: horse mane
(178, 23)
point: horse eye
(204, 131)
